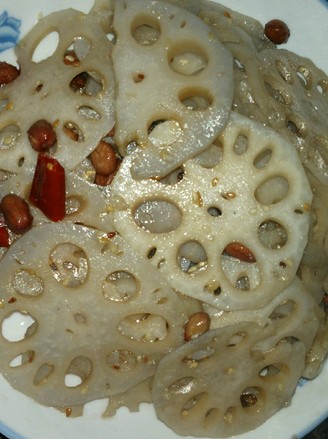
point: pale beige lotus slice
(219, 385)
(132, 398)
(297, 105)
(292, 314)
(82, 316)
(174, 84)
(43, 90)
(85, 204)
(250, 190)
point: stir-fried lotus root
(174, 81)
(77, 98)
(84, 202)
(97, 318)
(291, 313)
(231, 228)
(296, 104)
(221, 384)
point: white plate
(20, 417)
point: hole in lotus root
(43, 373)
(290, 340)
(277, 93)
(192, 257)
(73, 205)
(214, 211)
(239, 65)
(145, 30)
(263, 158)
(243, 283)
(272, 370)
(45, 47)
(4, 104)
(120, 286)
(272, 235)
(138, 77)
(88, 113)
(21, 359)
(193, 404)
(9, 136)
(196, 99)
(251, 396)
(144, 327)
(284, 72)
(73, 132)
(272, 191)
(305, 77)
(296, 126)
(183, 386)
(87, 83)
(163, 133)
(151, 253)
(157, 216)
(78, 371)
(173, 177)
(237, 339)
(196, 357)
(322, 86)
(283, 310)
(187, 59)
(69, 265)
(211, 157)
(241, 144)
(121, 360)
(27, 283)
(18, 326)
(76, 51)
(240, 267)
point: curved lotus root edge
(292, 313)
(85, 204)
(228, 188)
(292, 93)
(84, 331)
(151, 90)
(36, 94)
(220, 385)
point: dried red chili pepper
(4, 236)
(4, 233)
(48, 191)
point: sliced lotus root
(219, 385)
(132, 398)
(230, 230)
(296, 105)
(85, 204)
(316, 358)
(292, 314)
(174, 81)
(75, 93)
(82, 315)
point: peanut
(42, 135)
(198, 324)
(16, 213)
(71, 59)
(8, 73)
(277, 31)
(104, 159)
(240, 251)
